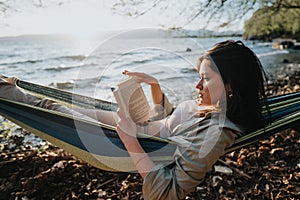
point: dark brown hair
(241, 69)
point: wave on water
(78, 83)
(63, 85)
(271, 53)
(189, 71)
(62, 67)
(31, 61)
(174, 78)
(264, 44)
(74, 57)
(22, 62)
(141, 61)
(3, 56)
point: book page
(131, 99)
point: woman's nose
(200, 85)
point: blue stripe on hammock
(283, 97)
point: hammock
(99, 145)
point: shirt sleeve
(162, 110)
(183, 112)
(200, 149)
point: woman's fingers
(141, 77)
(124, 72)
(137, 74)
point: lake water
(91, 67)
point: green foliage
(270, 22)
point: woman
(230, 87)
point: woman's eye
(204, 78)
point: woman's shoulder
(201, 123)
(185, 111)
(190, 102)
(189, 105)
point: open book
(132, 101)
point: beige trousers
(9, 90)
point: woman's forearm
(127, 130)
(157, 95)
(141, 160)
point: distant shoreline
(157, 33)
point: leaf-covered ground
(267, 170)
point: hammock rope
(67, 97)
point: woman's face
(210, 87)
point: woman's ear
(228, 90)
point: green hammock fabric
(99, 144)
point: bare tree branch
(154, 4)
(5, 7)
(211, 10)
(10, 6)
(39, 3)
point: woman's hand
(142, 77)
(157, 95)
(126, 128)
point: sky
(76, 17)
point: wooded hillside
(268, 23)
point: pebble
(223, 169)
